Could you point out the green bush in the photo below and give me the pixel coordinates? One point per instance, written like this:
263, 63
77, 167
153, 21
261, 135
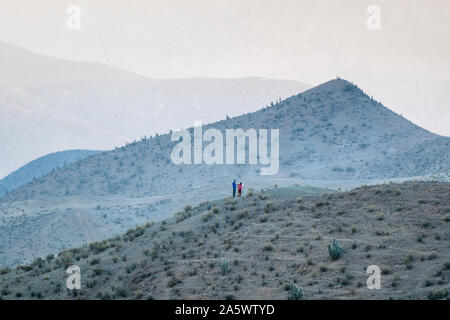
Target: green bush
296, 292
335, 250
224, 266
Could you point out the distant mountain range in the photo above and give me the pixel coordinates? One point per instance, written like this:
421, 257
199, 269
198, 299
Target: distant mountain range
332, 132
41, 166
48, 104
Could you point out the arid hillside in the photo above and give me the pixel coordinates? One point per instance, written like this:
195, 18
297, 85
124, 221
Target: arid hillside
263, 245
333, 132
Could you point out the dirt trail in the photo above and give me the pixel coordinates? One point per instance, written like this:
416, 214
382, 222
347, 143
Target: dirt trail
85, 225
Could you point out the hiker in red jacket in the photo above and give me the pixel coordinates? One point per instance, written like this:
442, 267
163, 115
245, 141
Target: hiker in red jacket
239, 189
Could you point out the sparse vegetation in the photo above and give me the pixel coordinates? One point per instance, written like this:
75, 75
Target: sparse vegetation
189, 256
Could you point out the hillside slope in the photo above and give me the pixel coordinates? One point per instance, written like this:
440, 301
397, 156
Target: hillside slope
333, 134
48, 104
41, 167
331, 131
255, 247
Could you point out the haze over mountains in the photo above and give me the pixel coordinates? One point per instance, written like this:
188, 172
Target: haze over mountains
333, 132
49, 105
405, 63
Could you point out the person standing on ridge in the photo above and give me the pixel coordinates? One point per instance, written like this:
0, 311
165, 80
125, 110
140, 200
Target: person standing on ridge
239, 189
234, 188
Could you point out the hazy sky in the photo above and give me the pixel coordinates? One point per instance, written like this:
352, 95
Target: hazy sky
405, 64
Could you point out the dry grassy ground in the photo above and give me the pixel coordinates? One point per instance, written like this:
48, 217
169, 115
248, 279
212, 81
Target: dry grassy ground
255, 247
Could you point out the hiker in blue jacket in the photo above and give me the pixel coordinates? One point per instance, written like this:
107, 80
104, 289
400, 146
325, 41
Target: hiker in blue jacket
234, 188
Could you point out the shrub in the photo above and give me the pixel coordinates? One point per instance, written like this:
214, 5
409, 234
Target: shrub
438, 294
319, 204
173, 282
97, 271
335, 250
269, 207
25, 268
182, 215
242, 214
138, 294
121, 292
207, 216
131, 267
5, 270
224, 266
5, 292
296, 292
263, 196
